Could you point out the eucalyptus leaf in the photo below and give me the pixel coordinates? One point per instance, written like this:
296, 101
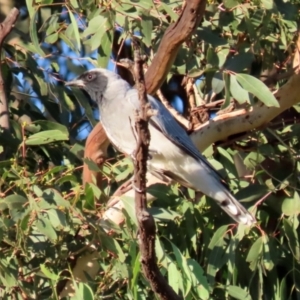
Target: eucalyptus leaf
257, 88
46, 137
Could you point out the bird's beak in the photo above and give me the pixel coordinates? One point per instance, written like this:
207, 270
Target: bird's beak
76, 82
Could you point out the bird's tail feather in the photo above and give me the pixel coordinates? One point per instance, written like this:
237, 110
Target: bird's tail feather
223, 197
236, 210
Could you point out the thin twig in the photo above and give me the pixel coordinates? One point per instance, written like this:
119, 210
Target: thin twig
146, 224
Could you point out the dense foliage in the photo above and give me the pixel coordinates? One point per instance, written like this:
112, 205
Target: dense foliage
48, 218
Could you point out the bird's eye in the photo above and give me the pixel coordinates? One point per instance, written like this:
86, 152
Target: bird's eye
90, 77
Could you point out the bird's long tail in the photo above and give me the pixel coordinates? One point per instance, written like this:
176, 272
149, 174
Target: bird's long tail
235, 209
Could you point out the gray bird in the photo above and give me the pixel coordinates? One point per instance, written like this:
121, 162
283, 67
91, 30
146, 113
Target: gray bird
172, 152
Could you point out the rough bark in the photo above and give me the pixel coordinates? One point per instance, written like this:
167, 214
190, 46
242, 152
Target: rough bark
146, 223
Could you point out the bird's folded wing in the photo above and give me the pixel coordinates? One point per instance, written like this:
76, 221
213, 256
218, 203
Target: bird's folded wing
166, 123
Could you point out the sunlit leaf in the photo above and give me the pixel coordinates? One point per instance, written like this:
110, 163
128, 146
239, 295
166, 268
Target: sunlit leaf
257, 88
33, 34
75, 29
237, 92
46, 137
291, 206
293, 238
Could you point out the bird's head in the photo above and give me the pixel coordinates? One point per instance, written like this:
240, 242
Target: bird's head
94, 82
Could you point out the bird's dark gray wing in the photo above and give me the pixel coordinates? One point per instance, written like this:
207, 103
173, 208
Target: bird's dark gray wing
165, 122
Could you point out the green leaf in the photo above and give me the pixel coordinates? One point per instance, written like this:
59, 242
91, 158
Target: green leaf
49, 274
291, 206
268, 4
251, 193
255, 253
91, 165
44, 225
13, 202
212, 58
160, 252
97, 24
31, 8
33, 34
237, 92
52, 196
168, 9
97, 29
199, 281
218, 237
238, 293
83, 291
293, 238
82, 100
217, 83
222, 56
52, 38
75, 29
146, 26
41, 125
136, 270
267, 260
257, 88
105, 49
163, 214
216, 254
74, 3
112, 245
283, 289
66, 39
89, 197
227, 91
46, 137
174, 277
57, 218
253, 159
129, 206
227, 161
240, 62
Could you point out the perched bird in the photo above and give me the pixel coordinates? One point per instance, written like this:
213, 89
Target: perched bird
171, 151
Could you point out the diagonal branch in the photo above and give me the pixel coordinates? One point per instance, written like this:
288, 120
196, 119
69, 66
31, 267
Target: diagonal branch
242, 120
175, 35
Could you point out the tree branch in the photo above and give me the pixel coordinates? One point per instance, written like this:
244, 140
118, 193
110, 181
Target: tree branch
146, 224
242, 120
171, 42
5, 29
96, 149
